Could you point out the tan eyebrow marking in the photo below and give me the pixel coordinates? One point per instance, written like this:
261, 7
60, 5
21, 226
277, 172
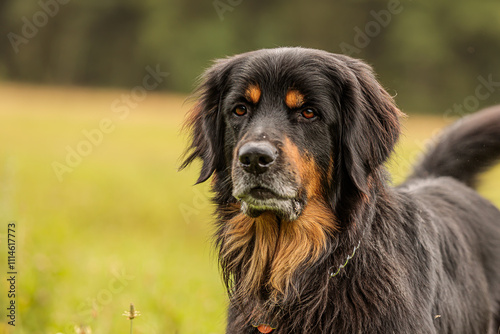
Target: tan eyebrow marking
252, 94
294, 99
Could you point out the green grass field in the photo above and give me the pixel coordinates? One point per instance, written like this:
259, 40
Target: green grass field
118, 224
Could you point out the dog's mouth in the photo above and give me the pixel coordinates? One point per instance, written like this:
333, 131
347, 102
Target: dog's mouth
261, 193
257, 200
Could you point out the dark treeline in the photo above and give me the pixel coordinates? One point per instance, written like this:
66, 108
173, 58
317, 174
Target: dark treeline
440, 56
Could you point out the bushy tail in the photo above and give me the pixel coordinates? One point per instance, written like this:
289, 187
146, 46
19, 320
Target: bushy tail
465, 149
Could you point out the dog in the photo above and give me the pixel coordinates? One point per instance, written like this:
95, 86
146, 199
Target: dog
311, 235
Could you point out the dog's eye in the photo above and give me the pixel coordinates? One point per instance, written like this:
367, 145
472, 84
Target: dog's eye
308, 114
240, 110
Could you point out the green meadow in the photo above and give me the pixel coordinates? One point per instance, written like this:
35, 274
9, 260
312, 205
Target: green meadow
104, 219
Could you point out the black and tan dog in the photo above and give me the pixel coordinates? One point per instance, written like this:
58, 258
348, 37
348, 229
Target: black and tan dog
311, 237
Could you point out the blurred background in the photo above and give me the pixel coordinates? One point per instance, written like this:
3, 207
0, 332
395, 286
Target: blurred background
92, 99
430, 53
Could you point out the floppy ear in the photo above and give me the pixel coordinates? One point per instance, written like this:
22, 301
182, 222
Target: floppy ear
369, 129
205, 122
370, 124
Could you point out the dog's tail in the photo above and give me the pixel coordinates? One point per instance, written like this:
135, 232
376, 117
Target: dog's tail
465, 149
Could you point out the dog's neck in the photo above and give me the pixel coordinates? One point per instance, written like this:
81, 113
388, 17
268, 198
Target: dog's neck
271, 267
267, 264
265, 252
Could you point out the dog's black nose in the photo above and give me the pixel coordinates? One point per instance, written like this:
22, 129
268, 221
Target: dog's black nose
257, 157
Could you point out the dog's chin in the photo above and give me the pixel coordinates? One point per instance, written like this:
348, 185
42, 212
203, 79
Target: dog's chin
282, 201
285, 209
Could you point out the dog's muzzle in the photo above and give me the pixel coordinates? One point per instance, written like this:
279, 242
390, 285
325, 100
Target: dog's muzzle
263, 181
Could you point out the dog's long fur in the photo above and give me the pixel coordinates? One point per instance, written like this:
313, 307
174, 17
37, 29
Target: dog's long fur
428, 259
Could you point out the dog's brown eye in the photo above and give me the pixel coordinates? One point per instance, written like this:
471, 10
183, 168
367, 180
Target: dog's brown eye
308, 114
240, 110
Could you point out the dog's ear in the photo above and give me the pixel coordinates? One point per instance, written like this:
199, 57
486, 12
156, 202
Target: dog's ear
369, 129
205, 122
370, 124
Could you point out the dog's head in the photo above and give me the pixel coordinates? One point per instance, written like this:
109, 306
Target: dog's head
281, 128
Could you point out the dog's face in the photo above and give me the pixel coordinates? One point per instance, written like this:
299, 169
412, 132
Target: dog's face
285, 127
277, 139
